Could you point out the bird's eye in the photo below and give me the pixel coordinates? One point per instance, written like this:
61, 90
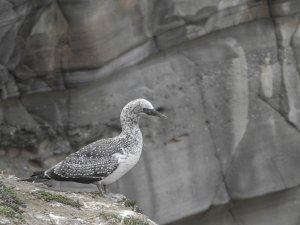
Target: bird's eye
148, 111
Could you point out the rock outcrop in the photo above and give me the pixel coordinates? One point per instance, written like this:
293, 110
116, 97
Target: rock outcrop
27, 203
226, 72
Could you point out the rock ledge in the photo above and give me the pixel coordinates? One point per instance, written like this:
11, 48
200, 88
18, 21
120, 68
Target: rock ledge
32, 203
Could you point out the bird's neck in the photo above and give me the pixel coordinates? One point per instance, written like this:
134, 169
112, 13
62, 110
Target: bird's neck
132, 133
129, 122
130, 127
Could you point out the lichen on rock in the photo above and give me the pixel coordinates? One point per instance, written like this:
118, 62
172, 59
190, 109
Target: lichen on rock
48, 196
34, 203
10, 205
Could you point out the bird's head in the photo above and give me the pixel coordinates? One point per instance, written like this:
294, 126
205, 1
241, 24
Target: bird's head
132, 111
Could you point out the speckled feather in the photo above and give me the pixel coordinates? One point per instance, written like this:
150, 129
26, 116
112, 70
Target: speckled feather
93, 162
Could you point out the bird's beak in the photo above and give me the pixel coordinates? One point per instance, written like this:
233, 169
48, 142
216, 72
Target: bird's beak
153, 112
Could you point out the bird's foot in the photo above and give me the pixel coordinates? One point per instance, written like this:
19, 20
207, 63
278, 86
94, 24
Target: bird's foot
105, 194
113, 197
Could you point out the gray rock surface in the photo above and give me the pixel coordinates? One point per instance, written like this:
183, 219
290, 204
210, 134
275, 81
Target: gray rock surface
24, 203
226, 72
276, 208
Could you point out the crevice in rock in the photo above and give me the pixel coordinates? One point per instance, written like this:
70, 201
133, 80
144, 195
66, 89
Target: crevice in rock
62, 11
5, 34
280, 175
222, 176
20, 100
292, 45
64, 42
280, 57
23, 32
279, 113
279, 46
68, 123
234, 218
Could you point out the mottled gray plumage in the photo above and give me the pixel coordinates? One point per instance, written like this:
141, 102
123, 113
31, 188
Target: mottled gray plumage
105, 160
97, 160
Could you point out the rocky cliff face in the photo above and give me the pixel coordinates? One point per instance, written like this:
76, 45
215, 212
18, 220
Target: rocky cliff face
226, 72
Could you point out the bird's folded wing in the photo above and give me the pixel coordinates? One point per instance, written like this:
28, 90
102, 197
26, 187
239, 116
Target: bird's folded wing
78, 167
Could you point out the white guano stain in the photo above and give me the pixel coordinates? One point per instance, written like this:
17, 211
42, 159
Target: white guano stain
239, 93
125, 213
266, 78
57, 219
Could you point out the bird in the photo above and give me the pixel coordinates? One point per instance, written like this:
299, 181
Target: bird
104, 161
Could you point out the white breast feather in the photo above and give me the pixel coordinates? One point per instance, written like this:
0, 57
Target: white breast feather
126, 162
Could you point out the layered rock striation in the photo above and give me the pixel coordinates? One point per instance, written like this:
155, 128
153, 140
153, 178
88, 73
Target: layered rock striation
225, 72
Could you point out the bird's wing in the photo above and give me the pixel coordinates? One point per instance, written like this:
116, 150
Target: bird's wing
91, 163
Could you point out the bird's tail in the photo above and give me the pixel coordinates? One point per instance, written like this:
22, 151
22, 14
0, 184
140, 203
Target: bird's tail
37, 176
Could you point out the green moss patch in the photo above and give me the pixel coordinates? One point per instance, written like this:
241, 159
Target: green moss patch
132, 205
7, 211
129, 203
48, 196
134, 221
10, 205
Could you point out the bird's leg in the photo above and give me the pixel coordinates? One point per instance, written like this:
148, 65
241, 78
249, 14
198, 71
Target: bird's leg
102, 191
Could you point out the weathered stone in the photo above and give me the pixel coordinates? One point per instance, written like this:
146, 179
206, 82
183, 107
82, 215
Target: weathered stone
16, 115
2, 153
273, 209
12, 152
95, 40
27, 203
48, 109
7, 86
226, 72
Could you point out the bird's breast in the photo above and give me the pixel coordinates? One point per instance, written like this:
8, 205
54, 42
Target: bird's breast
125, 162
127, 158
